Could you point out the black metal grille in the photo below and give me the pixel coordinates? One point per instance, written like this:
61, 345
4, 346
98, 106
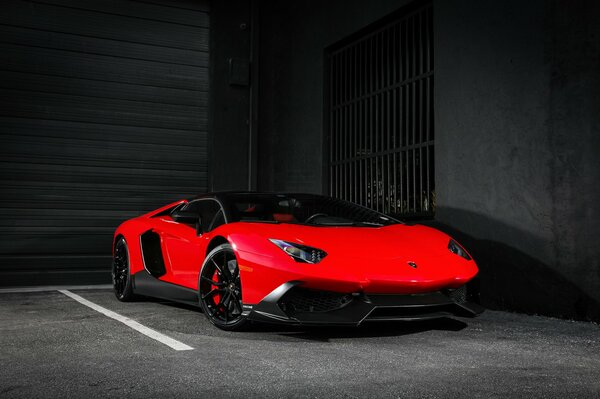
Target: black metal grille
458, 295
305, 300
380, 117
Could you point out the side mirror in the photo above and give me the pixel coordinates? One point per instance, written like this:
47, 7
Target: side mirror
187, 217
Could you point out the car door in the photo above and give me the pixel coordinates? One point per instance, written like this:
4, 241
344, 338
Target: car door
185, 244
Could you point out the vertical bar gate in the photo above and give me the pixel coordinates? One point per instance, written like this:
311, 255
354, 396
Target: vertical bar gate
380, 117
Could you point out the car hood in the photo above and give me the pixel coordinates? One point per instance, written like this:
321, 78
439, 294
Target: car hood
388, 242
377, 257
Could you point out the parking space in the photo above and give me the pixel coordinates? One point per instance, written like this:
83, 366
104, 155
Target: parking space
51, 346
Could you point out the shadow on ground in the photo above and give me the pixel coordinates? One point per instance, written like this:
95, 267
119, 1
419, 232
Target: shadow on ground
370, 330
323, 334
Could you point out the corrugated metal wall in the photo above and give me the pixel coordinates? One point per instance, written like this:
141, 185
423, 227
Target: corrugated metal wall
103, 116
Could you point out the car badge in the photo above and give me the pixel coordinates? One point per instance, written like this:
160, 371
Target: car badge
412, 264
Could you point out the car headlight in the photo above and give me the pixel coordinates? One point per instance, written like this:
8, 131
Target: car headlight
455, 248
300, 253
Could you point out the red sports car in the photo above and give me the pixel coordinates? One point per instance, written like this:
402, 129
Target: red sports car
291, 258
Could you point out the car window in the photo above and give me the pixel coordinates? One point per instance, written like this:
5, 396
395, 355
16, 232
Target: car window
218, 220
211, 214
301, 209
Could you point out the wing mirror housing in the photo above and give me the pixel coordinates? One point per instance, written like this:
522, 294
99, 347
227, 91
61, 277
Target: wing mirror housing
187, 217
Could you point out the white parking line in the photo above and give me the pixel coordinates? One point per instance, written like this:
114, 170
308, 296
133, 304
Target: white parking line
19, 290
173, 343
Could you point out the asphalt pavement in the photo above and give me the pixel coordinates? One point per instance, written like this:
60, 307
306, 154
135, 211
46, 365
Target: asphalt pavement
53, 346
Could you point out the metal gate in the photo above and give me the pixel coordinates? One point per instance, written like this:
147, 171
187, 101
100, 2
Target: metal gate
380, 116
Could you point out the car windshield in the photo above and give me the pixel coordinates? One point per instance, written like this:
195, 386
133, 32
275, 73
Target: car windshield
301, 209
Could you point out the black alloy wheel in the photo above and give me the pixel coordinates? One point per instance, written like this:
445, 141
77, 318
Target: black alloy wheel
120, 272
220, 289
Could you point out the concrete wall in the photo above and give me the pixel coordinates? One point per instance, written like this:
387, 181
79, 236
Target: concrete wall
229, 121
517, 134
516, 106
293, 38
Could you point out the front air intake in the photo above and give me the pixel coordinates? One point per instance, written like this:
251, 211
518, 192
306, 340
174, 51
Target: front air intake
458, 295
302, 300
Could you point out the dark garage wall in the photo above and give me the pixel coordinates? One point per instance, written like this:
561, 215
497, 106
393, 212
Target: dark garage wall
293, 38
230, 123
103, 116
518, 139
517, 134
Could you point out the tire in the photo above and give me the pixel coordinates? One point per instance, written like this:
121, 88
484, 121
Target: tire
220, 289
121, 277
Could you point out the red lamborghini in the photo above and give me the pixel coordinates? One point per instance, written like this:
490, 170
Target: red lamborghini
291, 258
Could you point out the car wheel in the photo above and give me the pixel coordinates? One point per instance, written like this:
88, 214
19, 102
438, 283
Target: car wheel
220, 289
121, 277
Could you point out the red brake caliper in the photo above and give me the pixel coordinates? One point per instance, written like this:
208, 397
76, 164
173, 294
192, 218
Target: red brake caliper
216, 297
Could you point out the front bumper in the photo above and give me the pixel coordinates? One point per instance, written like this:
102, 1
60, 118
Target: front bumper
292, 304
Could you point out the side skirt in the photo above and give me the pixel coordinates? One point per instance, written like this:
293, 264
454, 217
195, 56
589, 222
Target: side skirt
147, 285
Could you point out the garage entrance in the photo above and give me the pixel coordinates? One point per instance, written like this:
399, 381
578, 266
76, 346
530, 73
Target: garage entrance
104, 108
